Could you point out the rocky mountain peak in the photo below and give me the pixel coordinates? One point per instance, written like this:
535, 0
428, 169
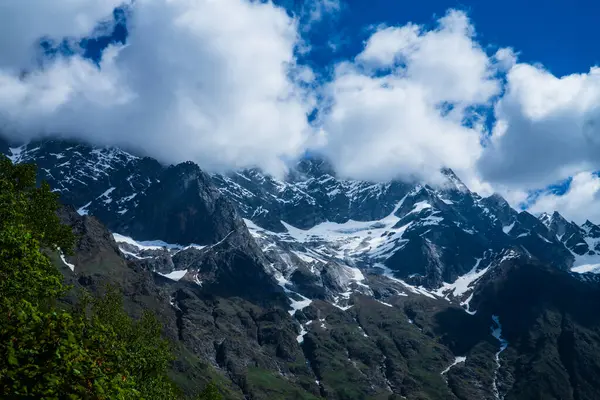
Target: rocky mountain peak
182, 206
557, 224
545, 218
313, 167
591, 229
498, 200
454, 180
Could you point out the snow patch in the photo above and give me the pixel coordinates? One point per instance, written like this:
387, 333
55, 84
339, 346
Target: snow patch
106, 195
175, 275
294, 304
173, 303
508, 228
153, 244
587, 263
544, 239
457, 360
420, 206
509, 256
388, 273
300, 337
83, 210
466, 305
385, 304
587, 268
64, 260
16, 153
375, 239
463, 284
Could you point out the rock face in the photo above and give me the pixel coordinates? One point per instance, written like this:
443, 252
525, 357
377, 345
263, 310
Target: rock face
182, 207
320, 287
549, 321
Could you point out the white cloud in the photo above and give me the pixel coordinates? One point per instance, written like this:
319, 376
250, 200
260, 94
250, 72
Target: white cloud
215, 82
388, 114
579, 203
506, 58
23, 23
547, 128
64, 86
385, 46
317, 10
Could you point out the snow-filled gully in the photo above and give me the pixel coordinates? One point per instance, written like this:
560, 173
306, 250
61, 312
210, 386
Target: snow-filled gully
497, 333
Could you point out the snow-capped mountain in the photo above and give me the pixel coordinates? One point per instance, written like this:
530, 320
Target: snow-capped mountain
100, 181
404, 288
424, 235
582, 241
312, 220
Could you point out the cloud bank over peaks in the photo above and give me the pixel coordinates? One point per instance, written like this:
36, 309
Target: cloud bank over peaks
579, 203
399, 108
216, 82
220, 83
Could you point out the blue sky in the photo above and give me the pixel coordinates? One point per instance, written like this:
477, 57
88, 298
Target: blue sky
559, 34
514, 108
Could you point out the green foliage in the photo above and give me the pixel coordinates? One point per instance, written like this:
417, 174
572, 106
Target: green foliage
28, 221
210, 392
26, 273
30, 208
94, 352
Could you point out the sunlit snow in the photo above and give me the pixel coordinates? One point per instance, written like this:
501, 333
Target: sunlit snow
353, 238
152, 244
294, 304
457, 360
175, 275
464, 283
64, 260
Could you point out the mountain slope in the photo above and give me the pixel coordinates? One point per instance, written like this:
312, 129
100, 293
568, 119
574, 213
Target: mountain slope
319, 286
550, 324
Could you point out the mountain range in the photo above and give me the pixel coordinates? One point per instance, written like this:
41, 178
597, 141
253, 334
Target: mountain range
313, 286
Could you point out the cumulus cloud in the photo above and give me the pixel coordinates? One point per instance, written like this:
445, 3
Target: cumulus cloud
399, 109
547, 128
219, 83
24, 23
211, 81
580, 202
